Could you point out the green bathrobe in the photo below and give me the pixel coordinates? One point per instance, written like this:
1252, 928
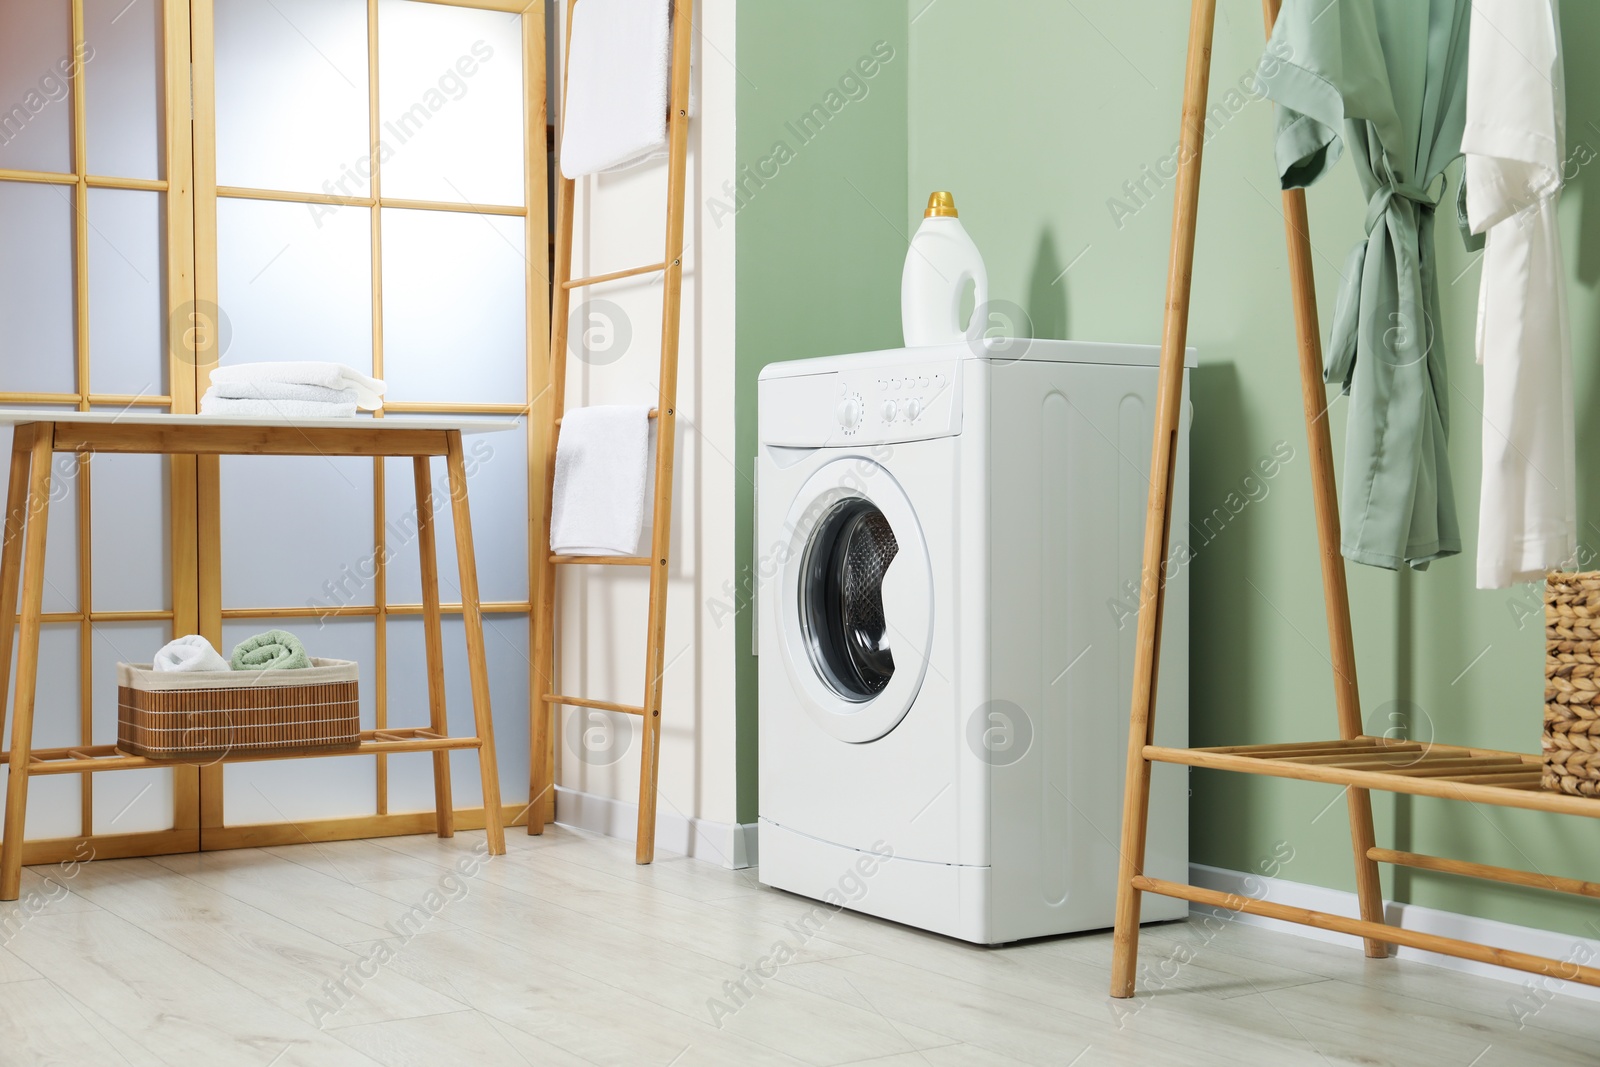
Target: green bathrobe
1390, 74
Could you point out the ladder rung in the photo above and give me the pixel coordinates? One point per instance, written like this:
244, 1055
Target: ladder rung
613, 276
652, 413
605, 561
603, 705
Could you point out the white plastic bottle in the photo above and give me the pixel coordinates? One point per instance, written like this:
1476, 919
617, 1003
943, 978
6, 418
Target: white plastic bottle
941, 261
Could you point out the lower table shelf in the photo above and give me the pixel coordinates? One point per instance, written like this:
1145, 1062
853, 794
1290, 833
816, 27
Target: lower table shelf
1483, 776
83, 759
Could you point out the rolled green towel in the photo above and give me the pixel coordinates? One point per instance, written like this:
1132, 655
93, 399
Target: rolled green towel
275, 650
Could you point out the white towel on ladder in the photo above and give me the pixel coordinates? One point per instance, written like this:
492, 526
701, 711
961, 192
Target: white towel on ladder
602, 474
618, 65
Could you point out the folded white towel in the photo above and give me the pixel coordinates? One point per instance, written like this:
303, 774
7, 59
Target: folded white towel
369, 391
211, 404
617, 72
192, 653
602, 467
281, 391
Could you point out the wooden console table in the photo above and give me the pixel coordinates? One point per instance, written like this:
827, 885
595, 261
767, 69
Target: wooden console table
39, 434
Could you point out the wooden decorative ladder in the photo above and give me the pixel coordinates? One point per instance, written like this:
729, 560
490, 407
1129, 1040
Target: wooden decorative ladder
1358, 762
546, 619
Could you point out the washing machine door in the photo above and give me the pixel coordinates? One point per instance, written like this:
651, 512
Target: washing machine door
856, 600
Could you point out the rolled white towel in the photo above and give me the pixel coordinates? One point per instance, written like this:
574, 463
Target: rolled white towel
316, 394
369, 391
192, 653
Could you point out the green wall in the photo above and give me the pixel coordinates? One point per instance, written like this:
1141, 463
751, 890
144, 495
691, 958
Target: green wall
1036, 115
820, 242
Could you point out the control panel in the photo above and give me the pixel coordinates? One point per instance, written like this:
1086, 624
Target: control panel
903, 396
899, 401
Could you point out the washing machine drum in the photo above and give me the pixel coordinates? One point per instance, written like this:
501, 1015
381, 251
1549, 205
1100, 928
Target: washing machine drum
858, 604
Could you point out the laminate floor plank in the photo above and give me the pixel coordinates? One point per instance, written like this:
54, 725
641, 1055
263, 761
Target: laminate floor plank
422, 951
297, 972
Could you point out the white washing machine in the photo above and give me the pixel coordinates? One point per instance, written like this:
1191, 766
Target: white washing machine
948, 549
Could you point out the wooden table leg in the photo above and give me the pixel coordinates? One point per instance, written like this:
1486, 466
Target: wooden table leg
434, 637
11, 554
478, 664
38, 514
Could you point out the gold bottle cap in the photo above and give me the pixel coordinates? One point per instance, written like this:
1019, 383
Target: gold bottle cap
940, 204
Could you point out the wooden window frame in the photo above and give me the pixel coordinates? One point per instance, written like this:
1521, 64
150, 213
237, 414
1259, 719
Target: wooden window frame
191, 282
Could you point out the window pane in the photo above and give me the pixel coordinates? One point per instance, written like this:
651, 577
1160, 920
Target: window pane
291, 94
61, 541
127, 313
450, 98
296, 532
292, 790
506, 641
497, 486
295, 282
123, 91
129, 533
35, 99
455, 295
54, 809
36, 344
128, 801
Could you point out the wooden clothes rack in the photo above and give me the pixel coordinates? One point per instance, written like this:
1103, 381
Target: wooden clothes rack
1354, 760
546, 619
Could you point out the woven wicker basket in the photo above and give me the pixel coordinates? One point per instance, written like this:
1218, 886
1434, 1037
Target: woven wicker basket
1572, 683
212, 714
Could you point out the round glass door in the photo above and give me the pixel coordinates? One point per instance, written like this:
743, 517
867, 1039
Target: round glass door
854, 603
841, 599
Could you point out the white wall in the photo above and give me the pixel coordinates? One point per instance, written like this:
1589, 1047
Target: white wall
619, 223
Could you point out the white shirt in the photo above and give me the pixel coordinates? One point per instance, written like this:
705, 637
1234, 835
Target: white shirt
1515, 144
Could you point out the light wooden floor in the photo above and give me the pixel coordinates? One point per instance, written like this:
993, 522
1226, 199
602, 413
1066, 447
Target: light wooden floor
564, 952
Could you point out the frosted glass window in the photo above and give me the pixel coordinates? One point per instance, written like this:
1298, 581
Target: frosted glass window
127, 316
129, 531
497, 487
506, 640
53, 811
292, 790
296, 532
123, 90
36, 344
35, 99
291, 94
128, 801
450, 103
61, 542
455, 302
295, 282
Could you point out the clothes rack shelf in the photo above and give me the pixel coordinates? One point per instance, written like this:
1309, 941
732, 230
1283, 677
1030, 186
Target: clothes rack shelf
1359, 762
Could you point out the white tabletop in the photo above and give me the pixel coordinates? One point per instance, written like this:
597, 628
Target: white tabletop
463, 423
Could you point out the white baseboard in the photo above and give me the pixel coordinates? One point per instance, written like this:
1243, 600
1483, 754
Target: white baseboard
732, 845
1566, 947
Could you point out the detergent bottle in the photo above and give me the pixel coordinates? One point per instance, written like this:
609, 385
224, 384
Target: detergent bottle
941, 262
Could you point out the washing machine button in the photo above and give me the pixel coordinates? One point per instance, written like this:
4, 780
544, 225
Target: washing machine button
849, 413
913, 409
890, 409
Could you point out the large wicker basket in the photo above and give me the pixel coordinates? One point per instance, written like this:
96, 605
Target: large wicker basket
212, 714
1572, 683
